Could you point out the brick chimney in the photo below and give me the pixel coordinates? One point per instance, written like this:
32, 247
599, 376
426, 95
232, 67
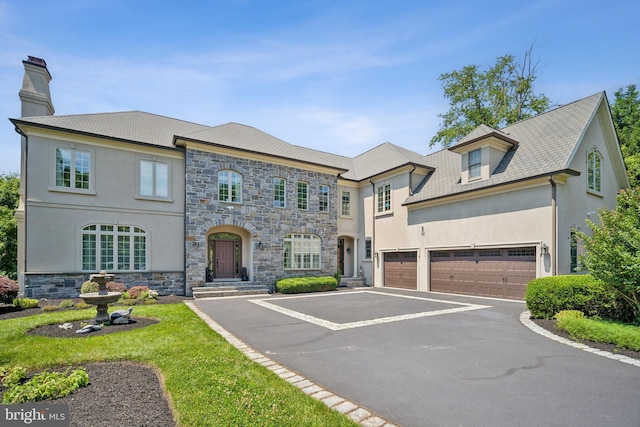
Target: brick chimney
34, 95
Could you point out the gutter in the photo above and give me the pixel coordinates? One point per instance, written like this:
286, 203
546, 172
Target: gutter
554, 225
23, 184
373, 233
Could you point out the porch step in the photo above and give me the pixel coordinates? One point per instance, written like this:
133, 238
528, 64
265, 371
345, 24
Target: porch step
352, 282
226, 289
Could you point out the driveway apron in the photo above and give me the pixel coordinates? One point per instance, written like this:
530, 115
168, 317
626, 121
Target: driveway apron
423, 359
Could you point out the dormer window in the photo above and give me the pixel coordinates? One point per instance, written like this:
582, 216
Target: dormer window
475, 164
481, 152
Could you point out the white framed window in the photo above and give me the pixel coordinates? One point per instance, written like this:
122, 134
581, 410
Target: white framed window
302, 252
73, 170
154, 179
345, 203
475, 164
229, 186
367, 248
303, 195
384, 198
594, 171
279, 192
114, 248
323, 198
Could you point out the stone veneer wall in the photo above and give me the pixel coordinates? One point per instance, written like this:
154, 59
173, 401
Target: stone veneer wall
60, 285
256, 214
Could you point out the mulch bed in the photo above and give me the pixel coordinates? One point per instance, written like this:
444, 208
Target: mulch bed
119, 393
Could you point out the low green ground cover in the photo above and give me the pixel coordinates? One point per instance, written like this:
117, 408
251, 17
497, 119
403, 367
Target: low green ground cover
582, 328
209, 381
297, 285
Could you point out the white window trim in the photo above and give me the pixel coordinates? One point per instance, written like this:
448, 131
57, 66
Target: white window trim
306, 199
342, 214
296, 242
377, 195
284, 195
230, 172
596, 154
98, 255
169, 164
479, 176
328, 195
92, 171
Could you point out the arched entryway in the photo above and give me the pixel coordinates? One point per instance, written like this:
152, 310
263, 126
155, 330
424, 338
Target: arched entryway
224, 256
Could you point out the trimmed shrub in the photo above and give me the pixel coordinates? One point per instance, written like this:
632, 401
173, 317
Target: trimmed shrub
547, 296
136, 292
296, 285
25, 303
583, 329
90, 286
8, 290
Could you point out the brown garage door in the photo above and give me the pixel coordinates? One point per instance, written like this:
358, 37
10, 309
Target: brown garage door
401, 270
502, 273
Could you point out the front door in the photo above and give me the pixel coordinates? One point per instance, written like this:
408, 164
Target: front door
224, 259
224, 262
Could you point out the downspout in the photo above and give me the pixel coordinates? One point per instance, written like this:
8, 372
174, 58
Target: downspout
554, 226
411, 180
23, 184
373, 233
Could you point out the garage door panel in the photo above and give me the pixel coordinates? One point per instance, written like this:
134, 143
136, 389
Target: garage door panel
502, 273
401, 270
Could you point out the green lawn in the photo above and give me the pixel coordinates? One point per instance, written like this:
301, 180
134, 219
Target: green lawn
209, 381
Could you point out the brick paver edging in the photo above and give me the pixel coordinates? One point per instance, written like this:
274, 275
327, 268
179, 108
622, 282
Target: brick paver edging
333, 401
525, 318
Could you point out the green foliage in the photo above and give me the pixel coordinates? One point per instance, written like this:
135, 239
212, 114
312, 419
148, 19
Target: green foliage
136, 292
66, 303
296, 285
613, 250
47, 385
9, 198
245, 393
12, 377
625, 111
547, 296
25, 303
8, 290
500, 96
584, 329
569, 314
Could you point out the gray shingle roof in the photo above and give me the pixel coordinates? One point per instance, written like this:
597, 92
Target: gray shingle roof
380, 159
134, 126
248, 138
546, 144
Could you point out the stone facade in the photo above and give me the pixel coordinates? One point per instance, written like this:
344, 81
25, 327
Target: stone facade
60, 285
256, 215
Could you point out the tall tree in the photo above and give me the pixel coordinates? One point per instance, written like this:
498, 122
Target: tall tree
625, 111
9, 197
497, 97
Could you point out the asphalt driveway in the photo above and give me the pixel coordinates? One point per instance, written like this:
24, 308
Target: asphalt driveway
422, 359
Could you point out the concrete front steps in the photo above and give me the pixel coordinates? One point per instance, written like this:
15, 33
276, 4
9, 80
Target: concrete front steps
351, 282
229, 288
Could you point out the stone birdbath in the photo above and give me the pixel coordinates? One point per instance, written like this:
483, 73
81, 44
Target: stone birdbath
102, 298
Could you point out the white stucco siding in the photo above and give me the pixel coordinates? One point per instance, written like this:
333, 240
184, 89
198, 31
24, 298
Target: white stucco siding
55, 216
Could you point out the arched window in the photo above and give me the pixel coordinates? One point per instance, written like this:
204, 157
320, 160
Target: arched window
302, 252
229, 186
594, 161
114, 248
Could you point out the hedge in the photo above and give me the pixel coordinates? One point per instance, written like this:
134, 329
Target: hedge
297, 285
547, 296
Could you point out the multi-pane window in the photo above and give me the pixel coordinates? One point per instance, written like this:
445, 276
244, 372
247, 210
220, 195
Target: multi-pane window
154, 179
114, 248
303, 195
367, 248
573, 244
593, 170
229, 186
302, 251
475, 163
384, 198
73, 169
279, 192
346, 203
323, 198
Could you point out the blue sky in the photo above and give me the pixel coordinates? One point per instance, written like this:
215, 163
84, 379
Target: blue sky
338, 76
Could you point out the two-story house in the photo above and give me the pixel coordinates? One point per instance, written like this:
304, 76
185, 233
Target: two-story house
176, 205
